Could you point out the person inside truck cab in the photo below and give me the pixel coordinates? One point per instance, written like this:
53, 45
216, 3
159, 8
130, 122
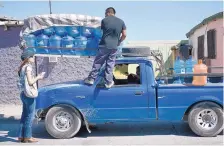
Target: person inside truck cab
134, 78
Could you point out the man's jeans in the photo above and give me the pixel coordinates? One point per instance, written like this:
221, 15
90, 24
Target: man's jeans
107, 56
25, 128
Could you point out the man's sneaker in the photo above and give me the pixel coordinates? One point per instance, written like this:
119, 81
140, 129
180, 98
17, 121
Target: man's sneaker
109, 85
89, 81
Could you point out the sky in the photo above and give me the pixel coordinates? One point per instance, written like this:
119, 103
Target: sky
145, 20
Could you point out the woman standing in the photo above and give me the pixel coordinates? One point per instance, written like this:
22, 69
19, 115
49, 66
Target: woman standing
29, 103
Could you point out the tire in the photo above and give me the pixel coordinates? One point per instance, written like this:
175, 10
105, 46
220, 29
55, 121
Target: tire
136, 52
202, 112
63, 122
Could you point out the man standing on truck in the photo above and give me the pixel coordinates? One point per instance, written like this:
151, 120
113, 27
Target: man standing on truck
114, 32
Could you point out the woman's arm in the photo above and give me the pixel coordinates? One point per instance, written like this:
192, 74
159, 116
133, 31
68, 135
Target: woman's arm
32, 80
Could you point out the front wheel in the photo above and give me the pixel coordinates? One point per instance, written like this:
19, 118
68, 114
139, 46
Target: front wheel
206, 119
63, 122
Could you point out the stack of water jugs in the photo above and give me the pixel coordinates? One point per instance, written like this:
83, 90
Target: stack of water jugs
182, 67
65, 40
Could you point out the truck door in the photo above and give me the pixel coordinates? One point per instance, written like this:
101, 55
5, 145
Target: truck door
125, 100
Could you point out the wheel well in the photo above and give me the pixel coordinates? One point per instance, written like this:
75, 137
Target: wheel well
185, 117
44, 113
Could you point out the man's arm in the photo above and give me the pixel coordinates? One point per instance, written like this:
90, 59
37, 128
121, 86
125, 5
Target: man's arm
123, 34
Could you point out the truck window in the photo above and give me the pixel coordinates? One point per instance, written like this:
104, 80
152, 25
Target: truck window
126, 74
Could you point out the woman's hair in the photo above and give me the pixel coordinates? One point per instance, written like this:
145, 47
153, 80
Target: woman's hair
22, 64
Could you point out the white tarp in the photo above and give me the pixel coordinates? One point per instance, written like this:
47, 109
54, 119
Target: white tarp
39, 22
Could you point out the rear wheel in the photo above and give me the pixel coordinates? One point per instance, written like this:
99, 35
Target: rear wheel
206, 119
63, 122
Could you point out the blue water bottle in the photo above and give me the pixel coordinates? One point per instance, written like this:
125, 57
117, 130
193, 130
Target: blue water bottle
42, 44
189, 64
179, 68
30, 40
67, 42
73, 31
91, 47
55, 44
48, 31
97, 33
60, 31
87, 31
80, 43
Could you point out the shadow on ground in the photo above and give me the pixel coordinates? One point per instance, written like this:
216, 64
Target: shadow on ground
107, 130
9, 128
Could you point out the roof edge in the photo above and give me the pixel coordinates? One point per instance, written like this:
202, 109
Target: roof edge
205, 21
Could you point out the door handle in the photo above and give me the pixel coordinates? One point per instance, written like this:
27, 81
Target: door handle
139, 92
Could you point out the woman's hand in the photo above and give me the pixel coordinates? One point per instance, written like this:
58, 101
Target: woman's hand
41, 76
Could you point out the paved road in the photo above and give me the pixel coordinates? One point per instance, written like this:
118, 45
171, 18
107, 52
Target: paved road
153, 133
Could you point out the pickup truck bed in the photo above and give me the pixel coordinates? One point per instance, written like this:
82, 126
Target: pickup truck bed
179, 98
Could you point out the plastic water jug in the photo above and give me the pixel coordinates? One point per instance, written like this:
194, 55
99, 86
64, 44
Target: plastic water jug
91, 47
87, 32
179, 66
198, 69
68, 42
30, 40
189, 64
48, 31
97, 33
73, 31
80, 43
55, 44
37, 32
60, 31
42, 40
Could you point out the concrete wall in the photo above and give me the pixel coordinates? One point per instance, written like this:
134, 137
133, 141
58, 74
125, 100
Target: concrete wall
10, 37
193, 40
66, 69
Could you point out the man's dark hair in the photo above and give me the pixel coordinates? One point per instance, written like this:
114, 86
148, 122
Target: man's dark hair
111, 10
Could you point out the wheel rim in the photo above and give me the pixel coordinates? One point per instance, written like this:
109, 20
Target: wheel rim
62, 121
207, 119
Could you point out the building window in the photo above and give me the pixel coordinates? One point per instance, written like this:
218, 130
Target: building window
211, 42
201, 47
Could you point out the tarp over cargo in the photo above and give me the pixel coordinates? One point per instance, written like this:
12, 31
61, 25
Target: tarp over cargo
39, 22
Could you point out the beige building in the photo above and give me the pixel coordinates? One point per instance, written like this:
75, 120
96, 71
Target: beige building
207, 41
163, 45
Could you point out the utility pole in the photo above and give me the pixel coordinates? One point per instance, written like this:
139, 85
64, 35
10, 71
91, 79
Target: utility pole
50, 6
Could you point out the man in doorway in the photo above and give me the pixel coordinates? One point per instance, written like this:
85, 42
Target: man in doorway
114, 32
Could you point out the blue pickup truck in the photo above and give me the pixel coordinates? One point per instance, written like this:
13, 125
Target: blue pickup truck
66, 107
